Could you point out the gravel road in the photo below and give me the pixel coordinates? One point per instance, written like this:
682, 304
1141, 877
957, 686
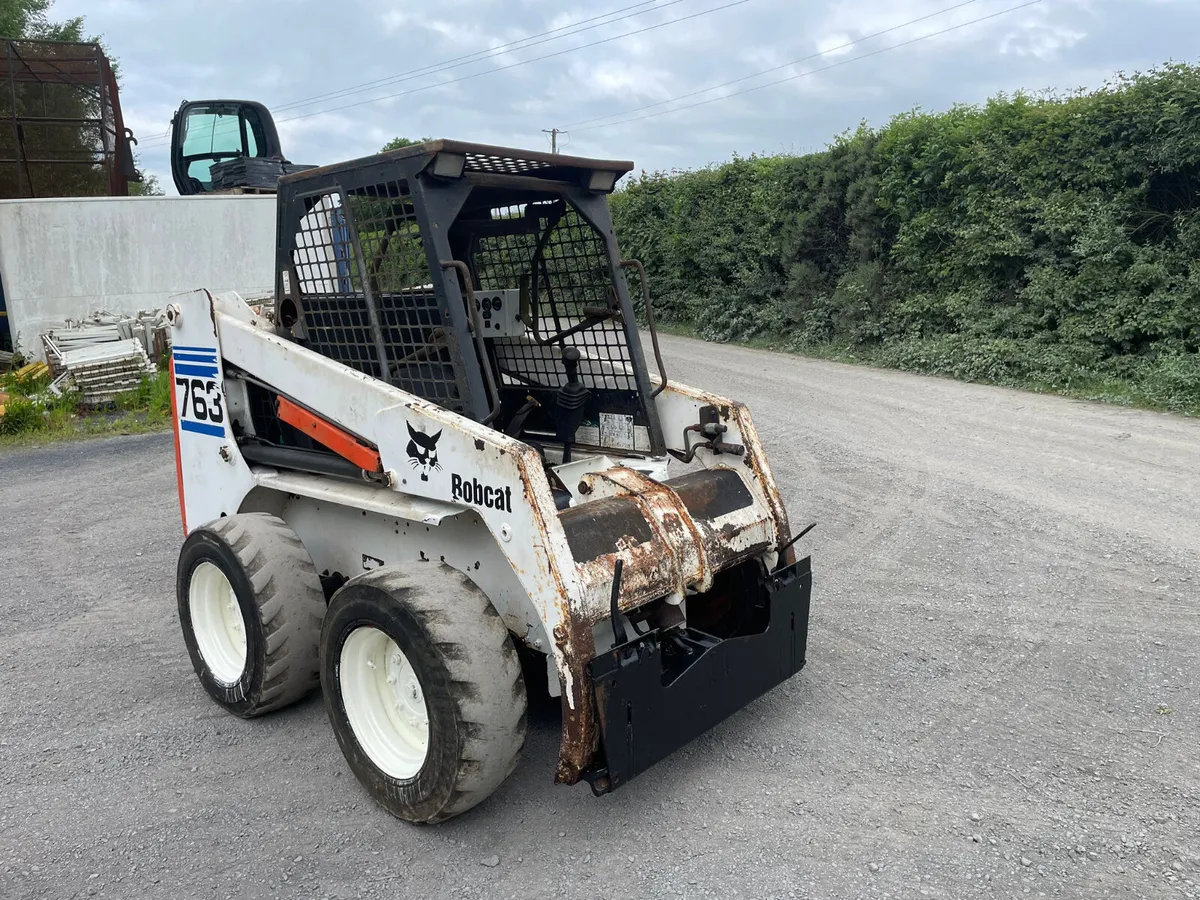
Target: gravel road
1001, 697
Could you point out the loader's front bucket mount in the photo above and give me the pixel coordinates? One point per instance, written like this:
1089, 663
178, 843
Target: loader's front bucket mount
660, 690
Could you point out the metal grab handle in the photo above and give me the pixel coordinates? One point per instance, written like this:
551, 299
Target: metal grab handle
662, 370
785, 547
477, 326
614, 604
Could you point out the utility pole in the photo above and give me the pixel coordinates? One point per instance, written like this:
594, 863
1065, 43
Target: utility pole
554, 133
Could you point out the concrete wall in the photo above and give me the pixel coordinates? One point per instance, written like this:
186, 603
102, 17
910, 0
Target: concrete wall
67, 257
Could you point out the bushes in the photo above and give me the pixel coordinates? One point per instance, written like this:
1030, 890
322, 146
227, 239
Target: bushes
20, 415
1172, 381
30, 407
1033, 240
32, 411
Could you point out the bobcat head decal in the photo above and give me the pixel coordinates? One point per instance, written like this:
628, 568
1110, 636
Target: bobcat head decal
422, 451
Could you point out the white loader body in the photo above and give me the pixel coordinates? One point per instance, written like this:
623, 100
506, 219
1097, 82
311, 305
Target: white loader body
539, 473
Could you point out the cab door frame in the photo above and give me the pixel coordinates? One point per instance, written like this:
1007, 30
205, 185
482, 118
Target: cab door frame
248, 113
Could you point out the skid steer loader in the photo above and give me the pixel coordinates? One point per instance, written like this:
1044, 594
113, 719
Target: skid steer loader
443, 456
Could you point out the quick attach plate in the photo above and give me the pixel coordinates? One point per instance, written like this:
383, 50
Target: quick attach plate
657, 692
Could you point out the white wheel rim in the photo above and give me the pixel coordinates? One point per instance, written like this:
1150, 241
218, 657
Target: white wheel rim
384, 702
217, 623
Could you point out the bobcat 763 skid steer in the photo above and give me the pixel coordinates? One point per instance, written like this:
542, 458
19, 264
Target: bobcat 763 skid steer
445, 448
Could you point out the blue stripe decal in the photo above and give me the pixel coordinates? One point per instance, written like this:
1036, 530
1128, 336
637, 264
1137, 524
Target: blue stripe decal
196, 371
196, 357
212, 350
202, 428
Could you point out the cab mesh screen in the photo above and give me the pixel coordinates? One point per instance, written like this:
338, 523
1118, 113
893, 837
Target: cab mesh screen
400, 339
561, 261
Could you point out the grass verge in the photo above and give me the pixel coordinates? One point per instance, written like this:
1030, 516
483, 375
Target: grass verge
1168, 383
34, 416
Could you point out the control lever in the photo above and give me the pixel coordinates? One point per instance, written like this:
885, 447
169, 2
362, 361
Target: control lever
572, 399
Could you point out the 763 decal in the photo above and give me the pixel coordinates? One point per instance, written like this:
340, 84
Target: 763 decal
199, 399
202, 400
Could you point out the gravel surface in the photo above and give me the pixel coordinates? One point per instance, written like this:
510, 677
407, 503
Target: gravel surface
1001, 697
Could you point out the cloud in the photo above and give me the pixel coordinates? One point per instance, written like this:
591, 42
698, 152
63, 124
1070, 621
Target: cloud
1044, 42
834, 44
172, 49
393, 20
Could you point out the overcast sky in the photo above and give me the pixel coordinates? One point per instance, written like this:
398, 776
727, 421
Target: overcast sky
282, 52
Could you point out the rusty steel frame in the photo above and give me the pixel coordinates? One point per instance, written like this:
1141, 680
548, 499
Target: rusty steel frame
33, 63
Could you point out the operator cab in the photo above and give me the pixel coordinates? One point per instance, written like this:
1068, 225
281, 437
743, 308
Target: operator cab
483, 279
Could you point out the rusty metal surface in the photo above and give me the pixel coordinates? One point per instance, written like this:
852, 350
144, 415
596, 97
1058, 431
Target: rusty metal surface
571, 635
61, 128
596, 528
685, 547
711, 492
679, 407
756, 459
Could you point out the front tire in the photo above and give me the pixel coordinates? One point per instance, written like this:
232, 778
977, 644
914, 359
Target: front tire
424, 690
250, 605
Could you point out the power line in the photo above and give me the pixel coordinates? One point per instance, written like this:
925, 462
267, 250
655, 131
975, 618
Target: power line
554, 133
523, 62
461, 60
458, 62
787, 65
811, 71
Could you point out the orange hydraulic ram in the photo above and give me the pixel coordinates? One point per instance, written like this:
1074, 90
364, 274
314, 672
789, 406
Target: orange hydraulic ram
340, 442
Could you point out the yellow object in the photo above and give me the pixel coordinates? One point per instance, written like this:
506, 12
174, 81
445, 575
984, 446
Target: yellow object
32, 370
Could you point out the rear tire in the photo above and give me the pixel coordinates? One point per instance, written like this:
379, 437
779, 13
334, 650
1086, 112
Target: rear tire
250, 605
423, 688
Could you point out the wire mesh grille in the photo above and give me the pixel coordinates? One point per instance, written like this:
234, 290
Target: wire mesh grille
268, 427
336, 317
337, 307
508, 165
564, 263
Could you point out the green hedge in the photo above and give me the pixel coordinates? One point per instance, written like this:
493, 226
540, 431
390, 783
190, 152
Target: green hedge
1049, 241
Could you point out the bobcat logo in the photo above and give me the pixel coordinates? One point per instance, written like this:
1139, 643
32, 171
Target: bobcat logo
422, 451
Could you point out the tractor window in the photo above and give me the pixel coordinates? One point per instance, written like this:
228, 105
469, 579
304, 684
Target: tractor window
337, 317
208, 132
547, 257
213, 134
200, 169
376, 260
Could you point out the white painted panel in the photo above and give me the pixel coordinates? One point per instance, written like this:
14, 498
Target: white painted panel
64, 258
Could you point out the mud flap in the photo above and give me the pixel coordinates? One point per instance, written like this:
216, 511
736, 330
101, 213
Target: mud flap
658, 691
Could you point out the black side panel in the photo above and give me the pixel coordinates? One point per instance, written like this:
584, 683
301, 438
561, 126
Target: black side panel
5, 333
267, 426
659, 691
